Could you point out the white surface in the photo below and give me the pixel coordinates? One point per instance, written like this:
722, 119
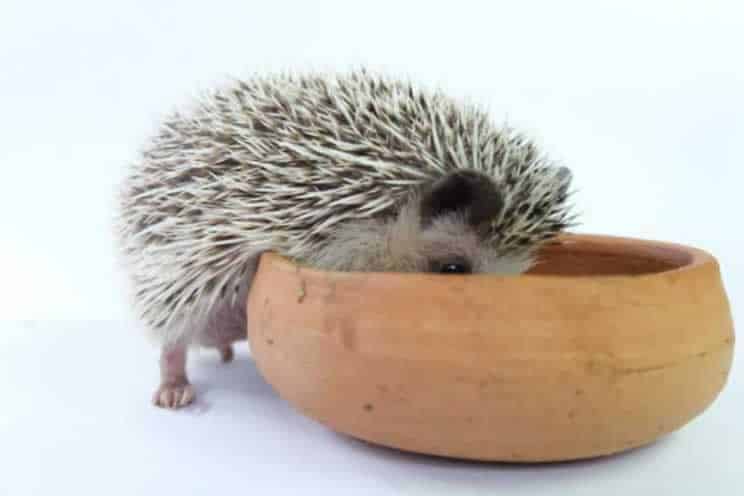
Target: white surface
77, 421
643, 100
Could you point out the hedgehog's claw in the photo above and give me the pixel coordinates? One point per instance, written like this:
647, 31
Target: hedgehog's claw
174, 395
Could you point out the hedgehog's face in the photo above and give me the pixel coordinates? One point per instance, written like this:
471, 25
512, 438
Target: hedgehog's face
445, 227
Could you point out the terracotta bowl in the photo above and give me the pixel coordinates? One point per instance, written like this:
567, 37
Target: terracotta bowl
606, 345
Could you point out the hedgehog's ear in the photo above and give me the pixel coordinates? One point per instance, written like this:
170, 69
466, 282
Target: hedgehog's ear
473, 193
563, 177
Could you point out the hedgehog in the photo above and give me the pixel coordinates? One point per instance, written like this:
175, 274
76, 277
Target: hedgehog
350, 171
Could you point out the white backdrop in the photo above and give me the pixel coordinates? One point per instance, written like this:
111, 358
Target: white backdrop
643, 100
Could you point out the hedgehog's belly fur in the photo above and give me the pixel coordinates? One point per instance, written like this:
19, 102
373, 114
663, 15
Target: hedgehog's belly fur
226, 321
225, 324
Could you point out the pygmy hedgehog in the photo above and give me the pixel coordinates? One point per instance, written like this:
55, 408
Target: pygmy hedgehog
348, 172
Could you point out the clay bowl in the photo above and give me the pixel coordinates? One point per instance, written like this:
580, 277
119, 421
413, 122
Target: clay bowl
608, 344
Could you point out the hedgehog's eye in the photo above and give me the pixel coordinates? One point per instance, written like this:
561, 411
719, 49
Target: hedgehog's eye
451, 267
454, 268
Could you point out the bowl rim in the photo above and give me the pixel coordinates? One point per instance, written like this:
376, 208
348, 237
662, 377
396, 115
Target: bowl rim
695, 259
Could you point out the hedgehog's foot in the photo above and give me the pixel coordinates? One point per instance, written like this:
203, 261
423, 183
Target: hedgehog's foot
226, 325
174, 390
174, 395
226, 352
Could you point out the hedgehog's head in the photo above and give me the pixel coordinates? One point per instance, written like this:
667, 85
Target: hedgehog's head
464, 222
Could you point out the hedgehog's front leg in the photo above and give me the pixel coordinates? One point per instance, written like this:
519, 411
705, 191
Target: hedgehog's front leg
175, 391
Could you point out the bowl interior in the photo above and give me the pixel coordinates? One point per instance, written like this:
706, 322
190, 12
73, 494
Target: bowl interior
595, 256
